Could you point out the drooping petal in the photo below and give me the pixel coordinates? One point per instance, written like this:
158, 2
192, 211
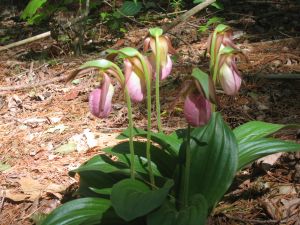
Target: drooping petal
229, 77
197, 110
100, 99
135, 84
166, 69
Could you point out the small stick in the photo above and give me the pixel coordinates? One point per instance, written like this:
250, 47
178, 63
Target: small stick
2, 200
280, 76
25, 41
187, 15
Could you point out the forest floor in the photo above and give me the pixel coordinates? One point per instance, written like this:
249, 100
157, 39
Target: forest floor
47, 130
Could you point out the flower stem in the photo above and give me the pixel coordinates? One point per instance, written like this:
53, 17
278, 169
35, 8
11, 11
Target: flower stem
157, 63
130, 121
130, 125
148, 86
187, 169
215, 73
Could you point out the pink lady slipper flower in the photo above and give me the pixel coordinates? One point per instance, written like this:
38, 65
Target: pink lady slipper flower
229, 76
197, 109
100, 98
198, 101
166, 50
135, 78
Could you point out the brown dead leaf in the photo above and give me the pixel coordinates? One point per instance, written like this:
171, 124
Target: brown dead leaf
31, 187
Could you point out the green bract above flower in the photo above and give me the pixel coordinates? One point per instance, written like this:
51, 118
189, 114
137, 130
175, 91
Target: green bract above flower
100, 98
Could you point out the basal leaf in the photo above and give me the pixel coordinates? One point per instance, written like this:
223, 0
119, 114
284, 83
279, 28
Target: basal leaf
255, 130
132, 198
214, 164
194, 214
164, 162
171, 143
79, 211
252, 150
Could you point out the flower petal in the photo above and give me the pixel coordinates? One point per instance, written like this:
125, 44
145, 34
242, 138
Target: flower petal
166, 69
197, 110
135, 84
229, 77
100, 99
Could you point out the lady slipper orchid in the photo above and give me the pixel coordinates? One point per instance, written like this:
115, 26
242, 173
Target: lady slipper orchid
198, 102
229, 76
197, 110
135, 78
166, 50
100, 98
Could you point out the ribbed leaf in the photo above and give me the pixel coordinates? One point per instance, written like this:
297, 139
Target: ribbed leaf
214, 164
194, 214
80, 211
250, 151
164, 162
171, 143
254, 130
132, 198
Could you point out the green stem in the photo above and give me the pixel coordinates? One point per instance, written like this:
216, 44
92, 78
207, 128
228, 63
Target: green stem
215, 73
187, 169
130, 121
157, 63
148, 87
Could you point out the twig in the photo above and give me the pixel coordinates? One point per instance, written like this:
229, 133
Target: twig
25, 41
187, 15
2, 200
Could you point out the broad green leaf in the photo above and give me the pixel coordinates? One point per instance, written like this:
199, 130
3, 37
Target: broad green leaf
194, 214
98, 180
102, 191
164, 162
252, 150
101, 163
79, 211
254, 130
132, 198
130, 8
214, 164
169, 142
165, 215
31, 8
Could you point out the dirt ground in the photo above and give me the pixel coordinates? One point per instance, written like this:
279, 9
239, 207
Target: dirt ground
47, 130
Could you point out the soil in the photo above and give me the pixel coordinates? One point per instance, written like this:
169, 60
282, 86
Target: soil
47, 130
